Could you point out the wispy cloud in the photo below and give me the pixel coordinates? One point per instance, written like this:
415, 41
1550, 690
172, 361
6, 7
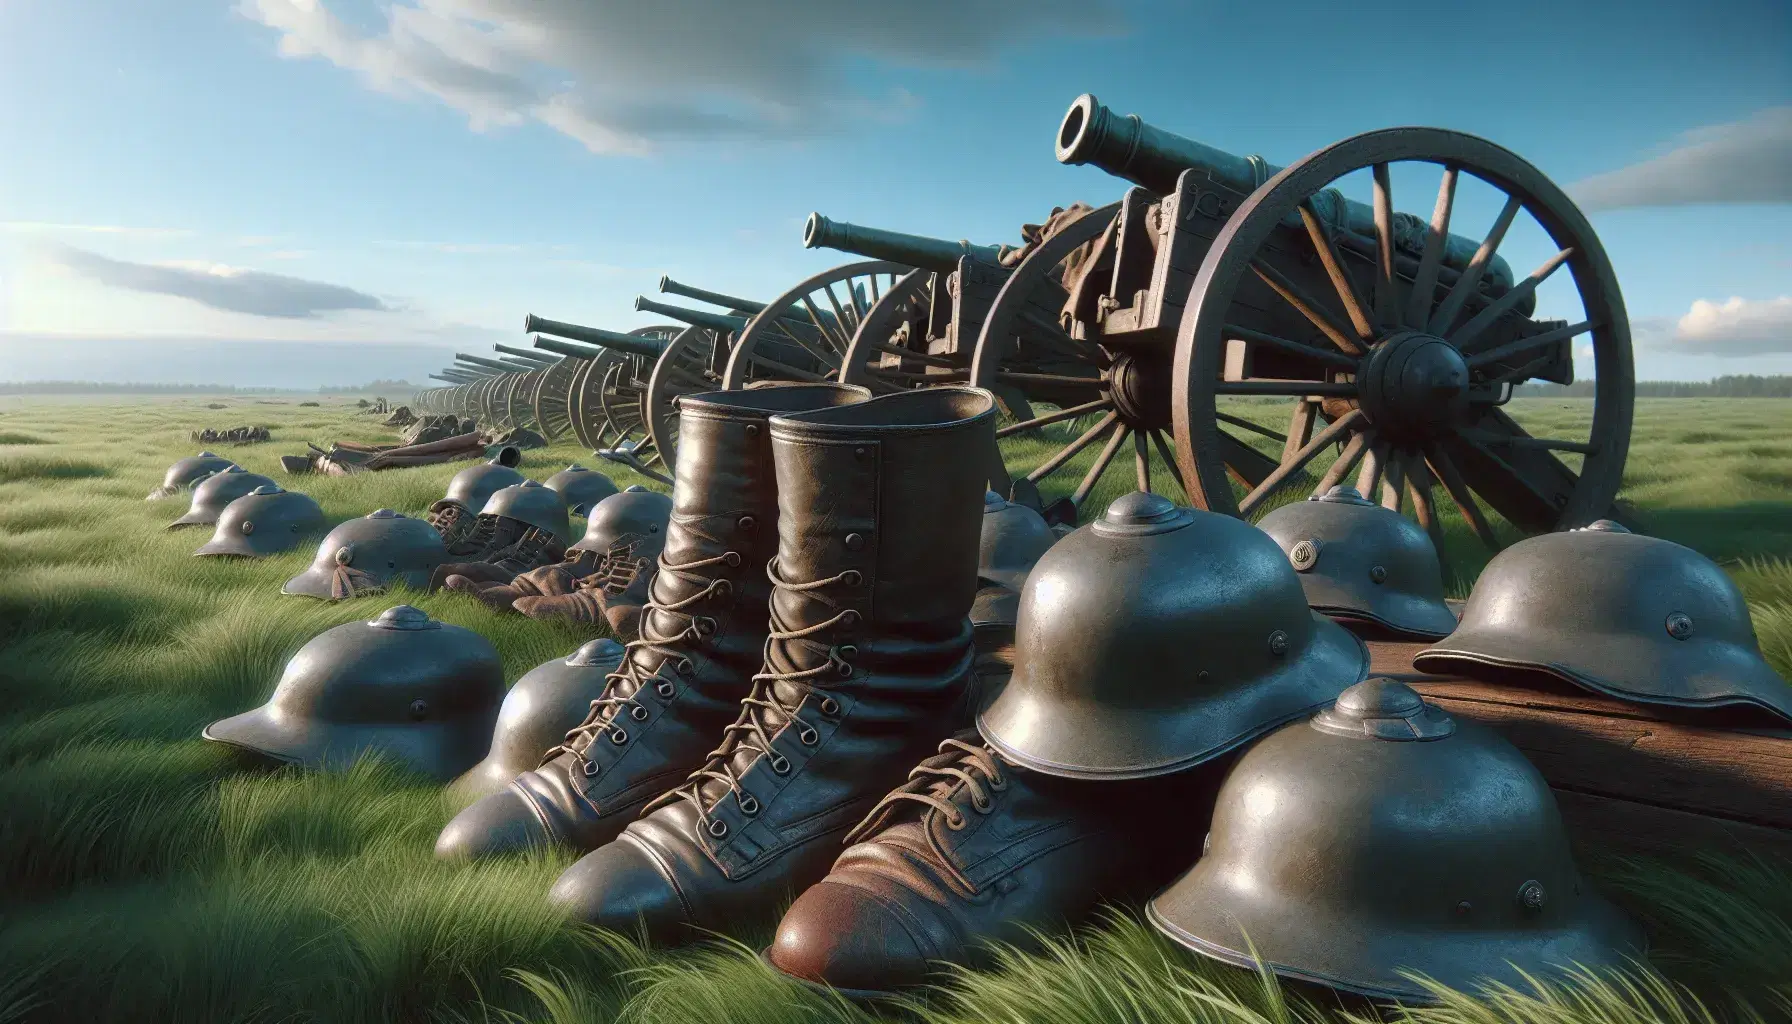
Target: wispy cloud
1746, 162
1735, 327
34, 227
231, 289
623, 76
461, 248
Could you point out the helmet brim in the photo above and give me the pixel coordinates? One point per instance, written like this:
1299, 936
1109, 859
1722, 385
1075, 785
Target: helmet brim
1672, 672
439, 750
1013, 579
1082, 740
163, 492
1410, 614
194, 519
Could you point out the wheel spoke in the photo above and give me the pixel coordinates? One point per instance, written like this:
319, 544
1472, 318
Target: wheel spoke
1510, 441
1297, 347
1418, 488
1524, 345
1368, 479
1465, 337
1347, 460
794, 373
1446, 314
1049, 334
1520, 373
1141, 460
1051, 465
1244, 463
1463, 498
1240, 421
1091, 478
822, 324
1334, 268
848, 324
1387, 303
908, 353
1055, 417
1289, 467
1424, 285
1300, 426
1008, 377
809, 345
1393, 482
1169, 457
1305, 306
1286, 388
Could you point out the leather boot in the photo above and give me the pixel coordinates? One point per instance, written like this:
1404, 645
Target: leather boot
533, 549
702, 637
867, 667
973, 850
613, 594
548, 581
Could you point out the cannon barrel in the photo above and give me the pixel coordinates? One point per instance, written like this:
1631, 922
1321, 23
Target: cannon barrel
465, 373
530, 356
570, 349
632, 344
443, 376
482, 361
647, 348
1127, 147
696, 317
522, 364
935, 254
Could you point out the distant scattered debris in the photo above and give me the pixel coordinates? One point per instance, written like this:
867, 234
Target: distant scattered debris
311, 404
234, 435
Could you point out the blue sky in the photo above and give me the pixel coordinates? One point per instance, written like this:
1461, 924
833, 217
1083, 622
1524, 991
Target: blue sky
415, 176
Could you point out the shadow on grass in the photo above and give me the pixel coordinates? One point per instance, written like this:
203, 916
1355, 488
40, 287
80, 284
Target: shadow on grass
32, 467
1753, 529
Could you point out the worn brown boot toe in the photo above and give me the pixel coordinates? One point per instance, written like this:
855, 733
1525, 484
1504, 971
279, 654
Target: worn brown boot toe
619, 886
504, 822
845, 937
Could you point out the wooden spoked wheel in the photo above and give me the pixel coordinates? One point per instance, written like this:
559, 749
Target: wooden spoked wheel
583, 410
807, 333
550, 397
686, 367
889, 350
519, 399
1406, 378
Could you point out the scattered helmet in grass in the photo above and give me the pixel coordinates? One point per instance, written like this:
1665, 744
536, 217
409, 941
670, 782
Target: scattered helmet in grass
367, 555
266, 521
185, 473
216, 491
581, 488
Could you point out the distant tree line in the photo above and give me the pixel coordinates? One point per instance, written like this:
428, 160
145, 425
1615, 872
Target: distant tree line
1746, 385
378, 387
92, 387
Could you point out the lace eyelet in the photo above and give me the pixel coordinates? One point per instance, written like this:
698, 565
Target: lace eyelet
748, 805
852, 577
982, 806
721, 588
718, 827
846, 652
638, 713
664, 688
998, 783
619, 736
733, 559
781, 764
809, 736
686, 666
590, 769
830, 706
843, 670
705, 625
956, 822
849, 618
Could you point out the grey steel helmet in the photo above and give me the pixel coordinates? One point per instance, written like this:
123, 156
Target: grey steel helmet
186, 472
420, 691
582, 488
216, 491
531, 502
472, 487
1383, 836
541, 708
1158, 637
367, 555
636, 512
1014, 536
266, 521
1637, 618
1359, 561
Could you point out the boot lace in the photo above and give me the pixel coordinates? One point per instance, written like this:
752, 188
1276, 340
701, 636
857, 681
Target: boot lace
962, 768
751, 731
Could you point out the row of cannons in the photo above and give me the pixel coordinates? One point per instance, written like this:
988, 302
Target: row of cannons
1233, 318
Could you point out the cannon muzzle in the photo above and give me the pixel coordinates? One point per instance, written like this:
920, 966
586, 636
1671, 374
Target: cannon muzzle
733, 302
632, 344
935, 254
530, 356
696, 317
491, 364
1127, 147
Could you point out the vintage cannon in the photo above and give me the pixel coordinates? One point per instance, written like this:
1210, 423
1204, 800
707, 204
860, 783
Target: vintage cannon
607, 399
1223, 284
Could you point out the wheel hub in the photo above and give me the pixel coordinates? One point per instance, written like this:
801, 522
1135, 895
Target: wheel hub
1414, 385
1141, 391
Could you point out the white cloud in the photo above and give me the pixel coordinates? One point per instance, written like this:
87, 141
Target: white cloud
623, 76
34, 227
1737, 327
1746, 162
218, 286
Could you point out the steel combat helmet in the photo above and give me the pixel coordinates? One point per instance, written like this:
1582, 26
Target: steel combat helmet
1014, 536
420, 691
636, 512
1359, 561
472, 487
266, 521
367, 555
216, 491
1159, 637
581, 488
541, 708
1383, 836
185, 473
1637, 618
532, 503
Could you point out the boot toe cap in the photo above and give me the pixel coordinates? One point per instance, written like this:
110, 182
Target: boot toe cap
619, 886
845, 937
461, 583
542, 607
503, 822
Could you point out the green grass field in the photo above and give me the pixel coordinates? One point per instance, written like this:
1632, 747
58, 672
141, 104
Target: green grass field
146, 875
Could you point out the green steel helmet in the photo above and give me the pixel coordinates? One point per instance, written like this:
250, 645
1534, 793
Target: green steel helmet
1014, 536
1360, 562
1159, 637
266, 521
216, 491
472, 487
404, 685
582, 488
365, 556
636, 512
185, 473
542, 707
1633, 617
531, 502
1382, 836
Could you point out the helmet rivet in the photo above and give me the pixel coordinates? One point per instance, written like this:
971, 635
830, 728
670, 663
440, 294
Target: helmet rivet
855, 541
248, 527
344, 555
858, 453
752, 430
1531, 895
1464, 908
1278, 643
419, 709
747, 522
1679, 625
1304, 555
1378, 573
